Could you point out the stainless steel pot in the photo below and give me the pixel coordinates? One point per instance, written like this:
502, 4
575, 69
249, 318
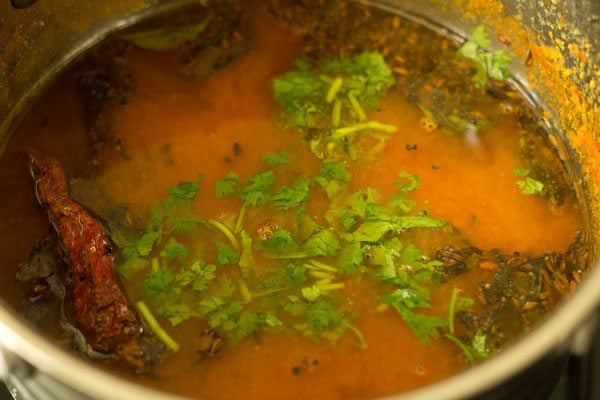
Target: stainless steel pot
558, 44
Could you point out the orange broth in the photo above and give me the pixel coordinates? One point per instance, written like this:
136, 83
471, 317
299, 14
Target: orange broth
470, 186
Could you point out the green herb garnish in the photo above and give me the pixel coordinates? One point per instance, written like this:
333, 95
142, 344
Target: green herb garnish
329, 102
295, 276
489, 65
528, 185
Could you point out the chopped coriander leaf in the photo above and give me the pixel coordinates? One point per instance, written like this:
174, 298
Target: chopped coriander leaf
257, 192
278, 158
221, 312
408, 298
490, 65
288, 197
367, 76
350, 257
226, 255
305, 226
292, 277
311, 293
528, 185
186, 190
228, 186
332, 187
246, 325
425, 327
294, 305
332, 177
364, 202
334, 170
281, 241
272, 320
132, 266
371, 231
521, 172
348, 219
300, 94
331, 99
174, 251
198, 276
323, 243
184, 224
408, 183
204, 274
322, 315
145, 244
478, 346
157, 281
224, 286
176, 313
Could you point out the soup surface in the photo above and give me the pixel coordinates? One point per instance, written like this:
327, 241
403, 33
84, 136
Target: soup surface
372, 218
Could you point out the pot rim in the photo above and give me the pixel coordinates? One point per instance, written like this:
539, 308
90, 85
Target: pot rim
554, 334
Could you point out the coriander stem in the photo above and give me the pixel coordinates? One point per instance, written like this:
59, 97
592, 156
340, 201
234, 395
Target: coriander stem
238, 224
244, 291
322, 282
378, 126
360, 113
336, 113
323, 266
155, 326
352, 152
375, 149
268, 292
461, 346
320, 274
379, 136
357, 333
452, 309
331, 286
226, 231
287, 256
335, 87
347, 130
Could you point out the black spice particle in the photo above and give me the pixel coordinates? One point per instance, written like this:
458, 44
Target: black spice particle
237, 149
305, 365
411, 146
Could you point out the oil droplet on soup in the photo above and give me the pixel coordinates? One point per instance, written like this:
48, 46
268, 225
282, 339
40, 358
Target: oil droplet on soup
348, 209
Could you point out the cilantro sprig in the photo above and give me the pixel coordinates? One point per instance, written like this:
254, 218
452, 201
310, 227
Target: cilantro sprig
329, 102
527, 184
489, 64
